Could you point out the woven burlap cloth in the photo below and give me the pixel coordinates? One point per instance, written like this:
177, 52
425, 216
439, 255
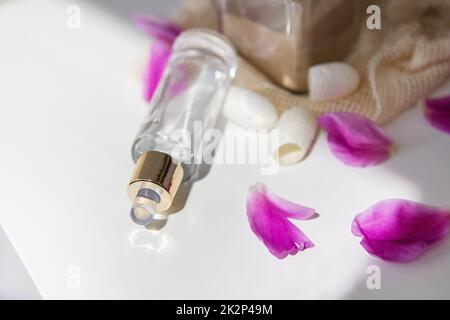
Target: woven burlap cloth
400, 64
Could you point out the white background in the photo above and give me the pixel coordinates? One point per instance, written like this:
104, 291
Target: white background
70, 105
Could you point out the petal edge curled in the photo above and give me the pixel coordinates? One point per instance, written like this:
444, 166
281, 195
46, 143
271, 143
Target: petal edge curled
400, 230
355, 140
268, 216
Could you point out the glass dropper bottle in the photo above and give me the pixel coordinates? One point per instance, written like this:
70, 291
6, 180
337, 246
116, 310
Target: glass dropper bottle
191, 92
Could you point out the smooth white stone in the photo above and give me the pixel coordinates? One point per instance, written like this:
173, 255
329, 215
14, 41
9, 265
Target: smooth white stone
249, 110
331, 81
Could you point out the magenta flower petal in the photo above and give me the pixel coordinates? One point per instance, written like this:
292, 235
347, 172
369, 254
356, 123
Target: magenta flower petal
400, 230
165, 33
355, 140
159, 56
437, 112
268, 217
162, 30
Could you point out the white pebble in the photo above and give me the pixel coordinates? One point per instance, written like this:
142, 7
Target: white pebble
249, 110
331, 81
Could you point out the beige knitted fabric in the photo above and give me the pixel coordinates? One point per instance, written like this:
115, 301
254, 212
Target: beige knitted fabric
399, 66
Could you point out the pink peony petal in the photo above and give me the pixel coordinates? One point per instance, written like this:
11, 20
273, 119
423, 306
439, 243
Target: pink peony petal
159, 56
437, 112
165, 33
400, 230
268, 217
355, 140
162, 30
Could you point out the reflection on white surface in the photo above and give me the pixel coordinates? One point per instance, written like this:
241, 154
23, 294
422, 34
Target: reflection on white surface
152, 240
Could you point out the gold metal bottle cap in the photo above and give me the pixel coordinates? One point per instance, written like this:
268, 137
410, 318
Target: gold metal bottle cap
159, 172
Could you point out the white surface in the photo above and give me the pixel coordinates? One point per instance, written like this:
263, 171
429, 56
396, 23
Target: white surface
15, 282
69, 109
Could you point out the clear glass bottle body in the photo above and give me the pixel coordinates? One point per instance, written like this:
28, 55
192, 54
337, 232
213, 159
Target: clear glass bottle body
190, 95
